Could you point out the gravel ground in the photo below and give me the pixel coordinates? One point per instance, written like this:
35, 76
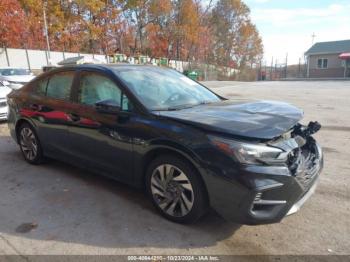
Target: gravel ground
58, 209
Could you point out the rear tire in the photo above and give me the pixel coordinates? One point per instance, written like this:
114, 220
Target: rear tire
29, 144
176, 189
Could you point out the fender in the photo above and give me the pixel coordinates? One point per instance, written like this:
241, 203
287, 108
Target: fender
19, 118
143, 155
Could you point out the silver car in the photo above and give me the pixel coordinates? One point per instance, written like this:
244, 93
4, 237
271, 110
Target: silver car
15, 78
4, 91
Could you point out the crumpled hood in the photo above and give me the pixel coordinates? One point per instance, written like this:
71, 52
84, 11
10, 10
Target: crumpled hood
261, 119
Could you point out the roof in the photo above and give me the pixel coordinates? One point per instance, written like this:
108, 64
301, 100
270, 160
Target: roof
120, 66
333, 47
101, 67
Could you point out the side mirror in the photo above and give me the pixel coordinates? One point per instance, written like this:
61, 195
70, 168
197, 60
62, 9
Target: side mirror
107, 107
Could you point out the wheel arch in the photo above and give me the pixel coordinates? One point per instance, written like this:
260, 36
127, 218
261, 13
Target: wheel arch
19, 123
152, 154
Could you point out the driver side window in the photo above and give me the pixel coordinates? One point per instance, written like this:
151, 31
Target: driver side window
96, 88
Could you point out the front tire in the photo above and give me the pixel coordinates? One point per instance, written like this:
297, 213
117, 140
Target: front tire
176, 189
29, 144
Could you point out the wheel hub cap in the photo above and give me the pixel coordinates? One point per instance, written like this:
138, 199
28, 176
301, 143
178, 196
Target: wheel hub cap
28, 143
172, 190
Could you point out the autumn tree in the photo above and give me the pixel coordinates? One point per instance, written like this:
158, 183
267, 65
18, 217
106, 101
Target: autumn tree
136, 12
159, 32
215, 31
236, 39
13, 27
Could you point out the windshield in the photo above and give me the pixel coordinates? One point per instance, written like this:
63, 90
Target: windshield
14, 72
165, 89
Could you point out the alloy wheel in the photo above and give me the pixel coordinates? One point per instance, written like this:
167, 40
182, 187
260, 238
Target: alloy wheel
172, 190
28, 143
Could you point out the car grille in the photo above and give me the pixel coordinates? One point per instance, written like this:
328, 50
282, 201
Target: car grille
3, 103
304, 163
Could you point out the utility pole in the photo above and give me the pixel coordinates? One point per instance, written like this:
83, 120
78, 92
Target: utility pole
46, 31
313, 36
286, 69
271, 69
276, 70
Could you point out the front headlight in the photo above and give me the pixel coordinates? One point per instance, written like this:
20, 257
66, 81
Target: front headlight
249, 153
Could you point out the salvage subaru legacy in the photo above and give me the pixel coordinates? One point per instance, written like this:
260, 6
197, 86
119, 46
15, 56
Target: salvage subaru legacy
189, 148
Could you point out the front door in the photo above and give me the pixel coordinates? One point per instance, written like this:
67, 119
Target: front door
102, 140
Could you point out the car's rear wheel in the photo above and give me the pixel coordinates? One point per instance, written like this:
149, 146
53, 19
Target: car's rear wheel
30, 144
176, 189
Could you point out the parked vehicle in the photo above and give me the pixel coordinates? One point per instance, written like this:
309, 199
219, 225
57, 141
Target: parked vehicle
191, 149
4, 91
16, 77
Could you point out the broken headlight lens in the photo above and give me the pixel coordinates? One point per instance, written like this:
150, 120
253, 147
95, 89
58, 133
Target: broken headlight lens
248, 153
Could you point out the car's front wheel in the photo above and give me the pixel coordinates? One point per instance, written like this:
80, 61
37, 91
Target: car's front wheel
176, 190
29, 144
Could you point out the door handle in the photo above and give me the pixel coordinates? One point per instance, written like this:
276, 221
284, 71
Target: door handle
34, 107
74, 117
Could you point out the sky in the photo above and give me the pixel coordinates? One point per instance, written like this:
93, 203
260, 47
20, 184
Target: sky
287, 26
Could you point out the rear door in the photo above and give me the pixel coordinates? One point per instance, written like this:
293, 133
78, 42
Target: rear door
102, 141
49, 108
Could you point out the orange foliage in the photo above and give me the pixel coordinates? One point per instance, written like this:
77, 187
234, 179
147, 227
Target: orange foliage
12, 24
176, 29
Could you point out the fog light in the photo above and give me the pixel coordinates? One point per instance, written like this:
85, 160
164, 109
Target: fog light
257, 197
259, 201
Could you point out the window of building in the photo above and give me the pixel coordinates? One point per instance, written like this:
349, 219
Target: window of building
322, 63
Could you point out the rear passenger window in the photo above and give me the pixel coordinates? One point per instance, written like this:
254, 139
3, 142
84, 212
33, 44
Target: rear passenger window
59, 85
41, 85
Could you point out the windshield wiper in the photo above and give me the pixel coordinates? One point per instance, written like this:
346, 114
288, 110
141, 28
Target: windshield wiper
205, 102
173, 108
180, 107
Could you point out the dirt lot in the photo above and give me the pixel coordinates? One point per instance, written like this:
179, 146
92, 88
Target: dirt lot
59, 209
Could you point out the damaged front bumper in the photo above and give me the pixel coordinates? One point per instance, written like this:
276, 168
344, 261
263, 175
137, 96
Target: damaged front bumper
272, 203
308, 178
261, 194
296, 207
